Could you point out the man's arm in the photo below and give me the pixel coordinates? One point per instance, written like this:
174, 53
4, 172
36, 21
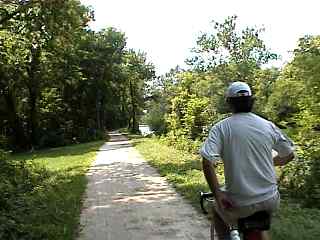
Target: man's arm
281, 161
210, 175
283, 146
212, 180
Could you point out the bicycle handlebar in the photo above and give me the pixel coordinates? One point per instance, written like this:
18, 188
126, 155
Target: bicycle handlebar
203, 196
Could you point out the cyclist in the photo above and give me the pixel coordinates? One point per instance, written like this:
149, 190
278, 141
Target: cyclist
244, 142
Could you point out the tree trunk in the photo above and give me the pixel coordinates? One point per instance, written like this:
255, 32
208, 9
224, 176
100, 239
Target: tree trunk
98, 115
20, 140
33, 87
98, 109
134, 128
124, 118
103, 114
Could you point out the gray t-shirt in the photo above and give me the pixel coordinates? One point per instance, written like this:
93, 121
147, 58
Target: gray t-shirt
245, 142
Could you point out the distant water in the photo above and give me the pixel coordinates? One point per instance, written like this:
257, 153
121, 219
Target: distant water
145, 130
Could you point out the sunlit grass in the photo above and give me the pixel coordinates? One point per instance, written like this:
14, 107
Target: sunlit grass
63, 158
53, 208
184, 171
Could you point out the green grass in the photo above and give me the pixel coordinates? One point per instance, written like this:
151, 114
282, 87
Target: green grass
63, 158
51, 209
184, 171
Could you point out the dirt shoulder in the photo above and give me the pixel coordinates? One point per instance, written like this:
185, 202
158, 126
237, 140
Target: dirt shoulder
127, 199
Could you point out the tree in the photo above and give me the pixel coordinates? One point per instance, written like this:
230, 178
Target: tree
264, 80
32, 37
195, 99
230, 54
295, 102
138, 73
73, 83
103, 54
10, 9
12, 66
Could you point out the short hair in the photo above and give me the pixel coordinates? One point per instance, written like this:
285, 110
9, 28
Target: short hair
241, 104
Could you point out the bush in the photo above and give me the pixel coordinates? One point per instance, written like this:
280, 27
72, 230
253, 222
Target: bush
19, 181
155, 119
53, 138
182, 142
4, 142
300, 179
312, 182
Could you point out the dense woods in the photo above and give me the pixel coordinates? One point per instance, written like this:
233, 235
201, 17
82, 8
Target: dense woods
61, 82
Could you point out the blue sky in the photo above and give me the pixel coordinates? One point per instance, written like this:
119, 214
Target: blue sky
166, 30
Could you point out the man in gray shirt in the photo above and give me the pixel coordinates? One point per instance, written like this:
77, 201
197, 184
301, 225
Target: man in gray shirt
244, 142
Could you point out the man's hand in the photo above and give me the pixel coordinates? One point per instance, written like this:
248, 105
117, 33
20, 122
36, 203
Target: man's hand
281, 161
224, 202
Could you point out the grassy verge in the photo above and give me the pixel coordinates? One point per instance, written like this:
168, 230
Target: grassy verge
184, 171
180, 168
47, 199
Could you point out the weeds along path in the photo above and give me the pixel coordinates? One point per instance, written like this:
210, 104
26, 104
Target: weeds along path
127, 199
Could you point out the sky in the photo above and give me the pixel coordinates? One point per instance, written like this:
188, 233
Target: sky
167, 30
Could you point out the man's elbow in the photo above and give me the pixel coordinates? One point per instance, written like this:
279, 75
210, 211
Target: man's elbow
287, 159
206, 164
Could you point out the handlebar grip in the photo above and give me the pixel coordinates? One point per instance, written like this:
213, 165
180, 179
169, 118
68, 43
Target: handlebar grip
203, 196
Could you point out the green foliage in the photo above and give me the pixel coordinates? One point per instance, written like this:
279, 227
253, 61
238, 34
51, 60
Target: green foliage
226, 46
138, 73
189, 111
294, 222
4, 142
155, 119
62, 83
197, 98
20, 181
23, 212
295, 102
264, 80
189, 102
42, 192
182, 142
312, 180
283, 103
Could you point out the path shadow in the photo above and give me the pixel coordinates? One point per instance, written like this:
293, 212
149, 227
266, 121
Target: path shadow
107, 148
147, 186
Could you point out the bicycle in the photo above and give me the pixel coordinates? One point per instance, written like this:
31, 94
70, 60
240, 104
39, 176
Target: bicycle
248, 228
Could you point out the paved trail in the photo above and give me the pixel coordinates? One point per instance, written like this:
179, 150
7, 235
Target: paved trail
126, 199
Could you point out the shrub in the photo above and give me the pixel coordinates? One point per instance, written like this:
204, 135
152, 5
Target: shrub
4, 142
53, 138
155, 119
19, 181
312, 181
